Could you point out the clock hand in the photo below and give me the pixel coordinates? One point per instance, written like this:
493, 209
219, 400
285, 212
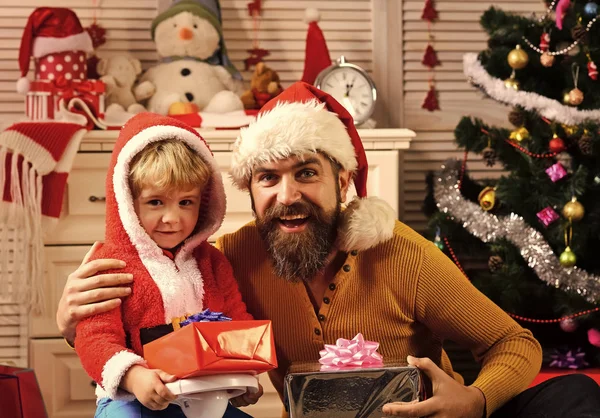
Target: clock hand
348, 105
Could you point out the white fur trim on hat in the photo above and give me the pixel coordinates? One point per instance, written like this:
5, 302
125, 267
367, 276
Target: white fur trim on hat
365, 223
43, 46
291, 129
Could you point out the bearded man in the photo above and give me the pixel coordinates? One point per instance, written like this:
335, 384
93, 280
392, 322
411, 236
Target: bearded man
320, 271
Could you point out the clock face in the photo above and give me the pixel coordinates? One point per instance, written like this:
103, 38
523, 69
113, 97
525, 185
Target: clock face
352, 89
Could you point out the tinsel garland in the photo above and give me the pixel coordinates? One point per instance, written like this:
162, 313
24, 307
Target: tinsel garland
549, 108
530, 242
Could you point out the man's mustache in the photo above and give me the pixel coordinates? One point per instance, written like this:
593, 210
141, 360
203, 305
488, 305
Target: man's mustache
297, 208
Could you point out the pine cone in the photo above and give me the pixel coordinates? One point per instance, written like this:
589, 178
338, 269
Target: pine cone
489, 156
586, 145
495, 263
516, 117
580, 34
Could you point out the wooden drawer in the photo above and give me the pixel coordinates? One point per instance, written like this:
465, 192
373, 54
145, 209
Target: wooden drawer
67, 389
59, 262
82, 218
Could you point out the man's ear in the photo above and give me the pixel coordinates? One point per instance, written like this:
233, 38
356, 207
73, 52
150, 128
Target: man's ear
344, 177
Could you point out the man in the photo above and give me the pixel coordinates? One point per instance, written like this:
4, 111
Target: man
320, 272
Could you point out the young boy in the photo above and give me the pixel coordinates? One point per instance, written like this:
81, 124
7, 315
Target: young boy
164, 198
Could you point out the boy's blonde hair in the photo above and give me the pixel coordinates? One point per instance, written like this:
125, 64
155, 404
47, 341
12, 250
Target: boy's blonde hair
167, 164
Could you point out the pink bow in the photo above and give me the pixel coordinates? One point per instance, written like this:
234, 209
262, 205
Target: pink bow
355, 352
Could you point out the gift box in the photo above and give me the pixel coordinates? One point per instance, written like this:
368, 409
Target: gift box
44, 96
70, 64
20, 395
314, 391
205, 348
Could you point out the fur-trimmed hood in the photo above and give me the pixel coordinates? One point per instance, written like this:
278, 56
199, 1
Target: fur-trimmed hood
122, 224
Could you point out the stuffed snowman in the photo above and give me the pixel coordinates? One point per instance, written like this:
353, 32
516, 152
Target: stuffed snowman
195, 68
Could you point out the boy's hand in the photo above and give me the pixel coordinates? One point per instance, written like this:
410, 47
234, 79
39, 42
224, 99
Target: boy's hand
148, 386
247, 398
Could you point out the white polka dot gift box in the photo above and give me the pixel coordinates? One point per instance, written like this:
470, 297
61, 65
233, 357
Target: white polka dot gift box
69, 64
44, 96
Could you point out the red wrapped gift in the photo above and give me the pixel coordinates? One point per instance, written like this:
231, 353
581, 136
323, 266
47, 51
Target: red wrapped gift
20, 395
44, 96
205, 348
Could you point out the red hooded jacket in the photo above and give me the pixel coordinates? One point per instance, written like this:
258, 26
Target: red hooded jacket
197, 277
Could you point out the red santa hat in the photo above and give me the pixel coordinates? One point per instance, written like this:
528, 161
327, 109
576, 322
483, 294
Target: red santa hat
50, 30
304, 119
316, 55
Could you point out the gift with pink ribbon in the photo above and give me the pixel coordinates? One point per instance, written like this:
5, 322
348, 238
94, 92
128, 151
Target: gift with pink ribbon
356, 352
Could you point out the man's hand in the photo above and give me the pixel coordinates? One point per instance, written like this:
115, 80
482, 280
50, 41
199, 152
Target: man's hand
450, 399
247, 398
148, 386
88, 293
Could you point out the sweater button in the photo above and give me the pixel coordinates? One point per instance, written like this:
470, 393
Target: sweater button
326, 300
354, 252
321, 317
332, 286
317, 331
346, 268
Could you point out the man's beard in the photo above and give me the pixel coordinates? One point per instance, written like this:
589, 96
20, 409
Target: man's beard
299, 256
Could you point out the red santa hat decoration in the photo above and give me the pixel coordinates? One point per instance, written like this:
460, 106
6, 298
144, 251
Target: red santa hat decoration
303, 119
316, 54
50, 30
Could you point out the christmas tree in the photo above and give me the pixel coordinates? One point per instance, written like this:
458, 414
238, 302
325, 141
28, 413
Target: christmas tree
538, 225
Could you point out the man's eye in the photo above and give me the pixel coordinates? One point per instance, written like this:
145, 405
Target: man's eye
307, 174
266, 178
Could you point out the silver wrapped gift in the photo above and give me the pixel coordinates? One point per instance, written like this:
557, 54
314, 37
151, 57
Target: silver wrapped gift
351, 392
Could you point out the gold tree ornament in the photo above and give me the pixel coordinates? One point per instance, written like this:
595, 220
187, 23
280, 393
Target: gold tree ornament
487, 198
518, 58
512, 82
520, 134
575, 95
574, 210
547, 60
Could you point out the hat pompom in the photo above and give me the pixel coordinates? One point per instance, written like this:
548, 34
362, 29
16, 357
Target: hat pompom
312, 15
365, 223
23, 85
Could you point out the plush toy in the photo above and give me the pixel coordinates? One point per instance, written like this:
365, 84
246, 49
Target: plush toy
195, 67
264, 85
119, 73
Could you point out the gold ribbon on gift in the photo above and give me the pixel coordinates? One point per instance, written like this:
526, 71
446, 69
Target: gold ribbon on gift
176, 321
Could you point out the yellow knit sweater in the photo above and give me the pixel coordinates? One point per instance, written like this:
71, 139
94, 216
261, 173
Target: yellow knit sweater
405, 294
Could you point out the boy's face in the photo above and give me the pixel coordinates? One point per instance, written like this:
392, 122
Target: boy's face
168, 217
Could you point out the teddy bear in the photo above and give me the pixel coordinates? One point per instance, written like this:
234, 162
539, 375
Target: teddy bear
195, 67
119, 73
264, 85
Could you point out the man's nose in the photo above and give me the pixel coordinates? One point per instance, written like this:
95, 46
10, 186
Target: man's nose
289, 192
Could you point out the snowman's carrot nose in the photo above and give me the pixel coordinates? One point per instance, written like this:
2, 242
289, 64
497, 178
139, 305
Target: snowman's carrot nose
185, 33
